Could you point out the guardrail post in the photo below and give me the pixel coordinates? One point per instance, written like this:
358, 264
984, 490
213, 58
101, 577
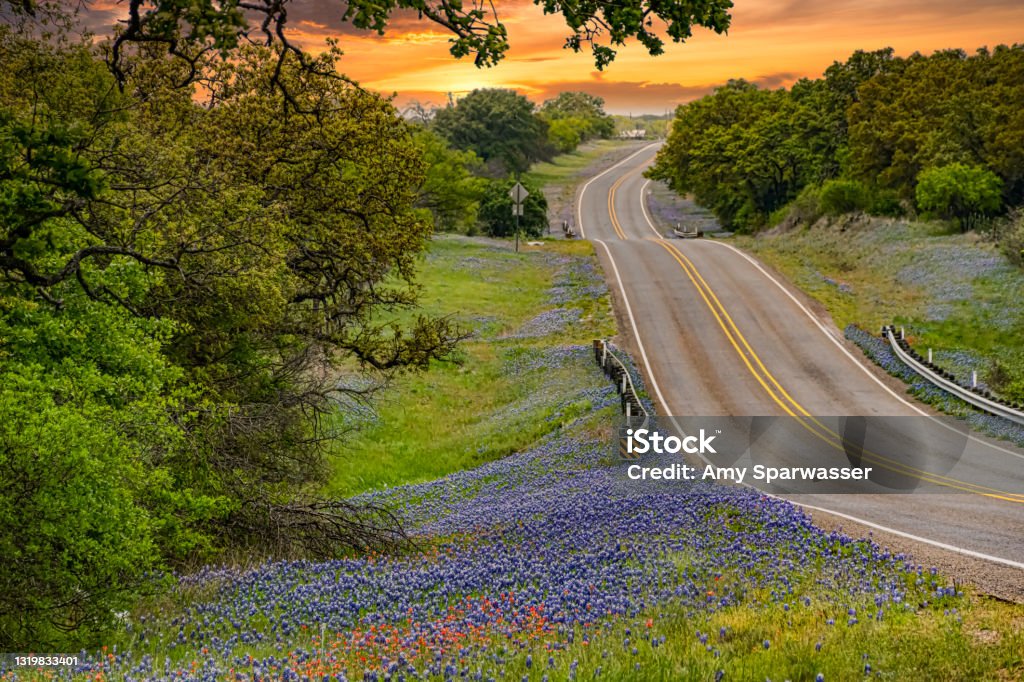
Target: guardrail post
981, 399
630, 403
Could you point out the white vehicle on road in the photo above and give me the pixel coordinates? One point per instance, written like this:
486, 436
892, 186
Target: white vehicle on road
687, 231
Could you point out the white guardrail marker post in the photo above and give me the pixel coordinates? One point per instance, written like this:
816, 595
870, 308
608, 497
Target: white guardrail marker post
996, 407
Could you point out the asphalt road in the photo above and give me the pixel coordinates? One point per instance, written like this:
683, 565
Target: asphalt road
718, 333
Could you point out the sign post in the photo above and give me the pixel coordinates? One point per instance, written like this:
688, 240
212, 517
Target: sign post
518, 194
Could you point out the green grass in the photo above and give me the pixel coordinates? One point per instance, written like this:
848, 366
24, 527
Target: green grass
983, 640
453, 417
434, 423
566, 168
944, 638
955, 293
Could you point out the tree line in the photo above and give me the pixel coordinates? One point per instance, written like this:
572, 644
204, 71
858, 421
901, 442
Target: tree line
938, 136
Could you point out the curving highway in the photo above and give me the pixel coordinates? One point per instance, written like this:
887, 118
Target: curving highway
718, 333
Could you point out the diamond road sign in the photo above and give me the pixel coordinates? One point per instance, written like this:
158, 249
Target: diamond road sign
518, 193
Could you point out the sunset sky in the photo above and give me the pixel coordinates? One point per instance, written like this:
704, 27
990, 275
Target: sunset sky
772, 42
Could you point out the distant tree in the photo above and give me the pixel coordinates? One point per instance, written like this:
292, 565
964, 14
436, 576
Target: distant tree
497, 219
956, 191
584, 110
450, 190
499, 126
566, 134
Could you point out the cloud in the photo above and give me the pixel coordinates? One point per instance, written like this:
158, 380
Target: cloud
788, 14
101, 16
621, 97
645, 96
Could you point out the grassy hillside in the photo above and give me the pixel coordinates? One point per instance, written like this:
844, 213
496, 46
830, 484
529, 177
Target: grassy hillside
955, 293
459, 416
565, 168
546, 564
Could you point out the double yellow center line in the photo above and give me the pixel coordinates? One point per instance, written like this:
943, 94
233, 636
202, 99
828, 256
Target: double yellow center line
771, 385
616, 225
789, 404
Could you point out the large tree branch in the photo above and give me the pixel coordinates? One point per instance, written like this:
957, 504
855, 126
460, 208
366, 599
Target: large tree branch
31, 275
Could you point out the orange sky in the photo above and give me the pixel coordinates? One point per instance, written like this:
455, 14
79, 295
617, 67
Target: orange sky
772, 42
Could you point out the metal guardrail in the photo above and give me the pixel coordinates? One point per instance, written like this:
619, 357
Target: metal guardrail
632, 406
979, 398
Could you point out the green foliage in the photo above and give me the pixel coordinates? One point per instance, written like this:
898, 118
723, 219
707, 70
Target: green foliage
450, 190
579, 105
806, 208
1011, 237
940, 110
87, 422
956, 191
576, 117
499, 126
496, 218
740, 152
179, 282
837, 197
885, 202
566, 134
876, 119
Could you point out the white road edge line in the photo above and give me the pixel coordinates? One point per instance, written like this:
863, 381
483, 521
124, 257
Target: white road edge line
831, 337
643, 207
911, 536
870, 524
579, 197
632, 321
857, 362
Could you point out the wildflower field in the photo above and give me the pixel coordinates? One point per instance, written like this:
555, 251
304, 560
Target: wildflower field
955, 293
537, 560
